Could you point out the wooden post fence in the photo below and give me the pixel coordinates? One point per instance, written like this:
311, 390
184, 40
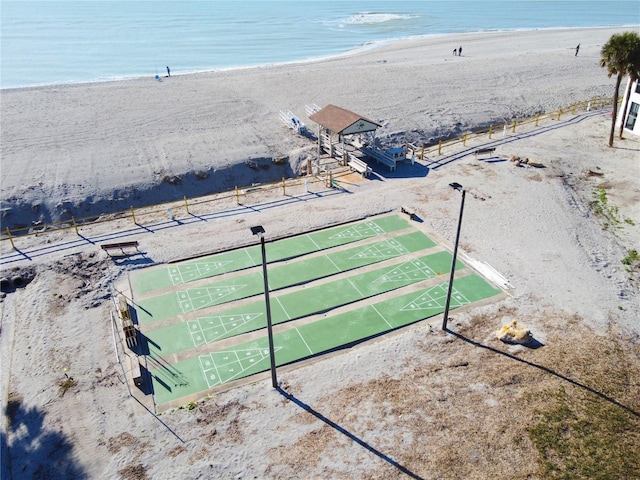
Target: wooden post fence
10, 239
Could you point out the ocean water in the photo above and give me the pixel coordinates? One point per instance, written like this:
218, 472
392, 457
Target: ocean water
47, 42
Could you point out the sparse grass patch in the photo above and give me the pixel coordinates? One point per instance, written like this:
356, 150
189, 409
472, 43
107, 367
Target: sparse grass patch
585, 436
591, 432
632, 263
608, 213
631, 259
601, 208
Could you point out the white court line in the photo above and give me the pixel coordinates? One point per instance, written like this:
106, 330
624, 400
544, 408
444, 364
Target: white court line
303, 340
283, 309
201, 333
215, 367
203, 372
334, 264
463, 296
247, 252
176, 278
313, 241
381, 316
356, 288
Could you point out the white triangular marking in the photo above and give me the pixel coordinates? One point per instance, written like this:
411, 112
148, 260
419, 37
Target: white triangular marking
209, 329
194, 271
197, 298
224, 366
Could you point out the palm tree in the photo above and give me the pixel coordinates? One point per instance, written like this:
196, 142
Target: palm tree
618, 56
634, 76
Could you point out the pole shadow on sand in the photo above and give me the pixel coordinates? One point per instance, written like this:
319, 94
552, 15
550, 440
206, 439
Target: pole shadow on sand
547, 370
347, 433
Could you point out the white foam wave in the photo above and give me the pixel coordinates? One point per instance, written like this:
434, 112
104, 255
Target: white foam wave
370, 18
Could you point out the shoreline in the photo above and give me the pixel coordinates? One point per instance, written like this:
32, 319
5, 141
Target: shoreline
367, 47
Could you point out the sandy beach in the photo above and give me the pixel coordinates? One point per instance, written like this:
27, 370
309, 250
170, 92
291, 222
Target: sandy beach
83, 149
420, 403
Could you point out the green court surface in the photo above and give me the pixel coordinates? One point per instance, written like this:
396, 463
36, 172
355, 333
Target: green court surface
202, 321
312, 300
201, 372
205, 267
216, 292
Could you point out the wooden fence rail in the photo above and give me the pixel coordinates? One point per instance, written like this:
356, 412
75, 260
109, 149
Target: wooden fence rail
238, 194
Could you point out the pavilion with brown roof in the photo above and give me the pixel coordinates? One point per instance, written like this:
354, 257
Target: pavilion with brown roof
333, 120
343, 122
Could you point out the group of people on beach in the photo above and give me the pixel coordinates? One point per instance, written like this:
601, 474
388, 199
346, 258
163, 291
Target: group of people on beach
457, 52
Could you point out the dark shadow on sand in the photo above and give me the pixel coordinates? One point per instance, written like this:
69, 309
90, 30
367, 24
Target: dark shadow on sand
403, 170
35, 452
348, 434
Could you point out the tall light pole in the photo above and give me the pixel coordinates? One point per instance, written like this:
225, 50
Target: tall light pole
455, 186
259, 231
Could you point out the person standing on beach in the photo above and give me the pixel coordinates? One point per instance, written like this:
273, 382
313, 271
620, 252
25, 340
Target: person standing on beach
168, 72
577, 50
460, 52
455, 52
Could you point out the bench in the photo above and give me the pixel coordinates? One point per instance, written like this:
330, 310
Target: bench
107, 247
409, 211
129, 330
135, 370
360, 167
484, 151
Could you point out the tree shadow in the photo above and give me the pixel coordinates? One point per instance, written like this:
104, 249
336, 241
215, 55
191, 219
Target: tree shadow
547, 370
32, 451
347, 433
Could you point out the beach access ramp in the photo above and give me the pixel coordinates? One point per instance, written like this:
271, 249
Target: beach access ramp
380, 156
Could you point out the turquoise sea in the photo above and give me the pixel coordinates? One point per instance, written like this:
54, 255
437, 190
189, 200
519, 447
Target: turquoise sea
47, 42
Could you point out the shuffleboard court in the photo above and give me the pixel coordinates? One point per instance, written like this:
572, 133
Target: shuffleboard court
297, 271
202, 321
224, 262
217, 367
301, 303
